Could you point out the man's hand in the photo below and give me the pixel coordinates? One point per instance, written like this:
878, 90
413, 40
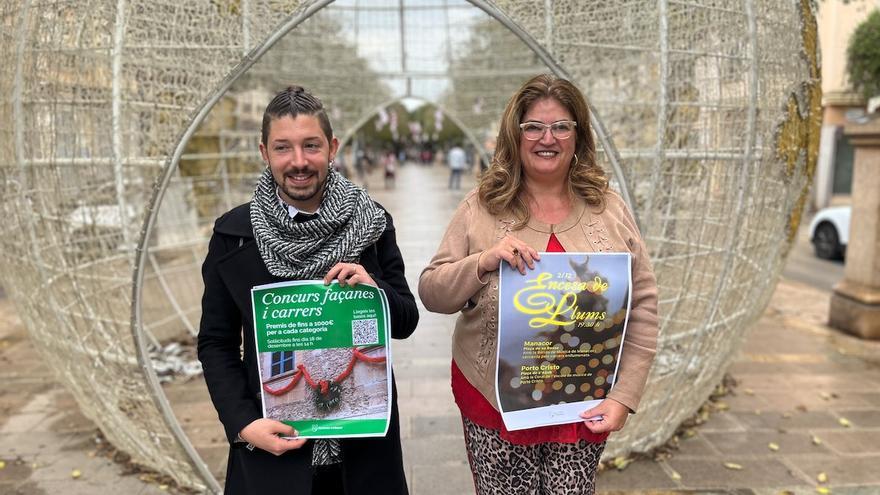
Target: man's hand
610, 416
349, 274
263, 434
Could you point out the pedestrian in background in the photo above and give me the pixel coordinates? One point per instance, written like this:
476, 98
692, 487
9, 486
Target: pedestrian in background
362, 167
543, 192
457, 160
390, 166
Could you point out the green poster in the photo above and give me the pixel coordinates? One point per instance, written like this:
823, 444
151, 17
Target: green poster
324, 358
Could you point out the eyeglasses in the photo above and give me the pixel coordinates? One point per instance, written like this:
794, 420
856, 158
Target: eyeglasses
561, 129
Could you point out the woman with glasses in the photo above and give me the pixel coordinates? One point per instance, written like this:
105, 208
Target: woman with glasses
544, 192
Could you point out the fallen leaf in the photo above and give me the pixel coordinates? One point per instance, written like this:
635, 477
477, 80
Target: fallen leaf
786, 492
689, 433
786, 415
732, 465
721, 406
163, 487
817, 440
823, 490
75, 474
675, 475
844, 422
2, 464
749, 391
621, 462
822, 478
825, 395
773, 446
801, 408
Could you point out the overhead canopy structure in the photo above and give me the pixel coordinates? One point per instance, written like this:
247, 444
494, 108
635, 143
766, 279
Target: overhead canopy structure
707, 115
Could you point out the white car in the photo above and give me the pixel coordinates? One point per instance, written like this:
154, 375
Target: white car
829, 232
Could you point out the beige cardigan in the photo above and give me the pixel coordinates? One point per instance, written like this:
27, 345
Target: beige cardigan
450, 283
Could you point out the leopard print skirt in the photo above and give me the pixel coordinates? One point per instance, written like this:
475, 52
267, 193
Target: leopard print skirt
502, 468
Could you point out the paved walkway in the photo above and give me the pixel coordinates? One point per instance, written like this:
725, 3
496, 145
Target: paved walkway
797, 382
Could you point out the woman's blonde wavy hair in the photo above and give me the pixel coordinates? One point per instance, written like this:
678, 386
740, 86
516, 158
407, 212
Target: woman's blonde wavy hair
501, 187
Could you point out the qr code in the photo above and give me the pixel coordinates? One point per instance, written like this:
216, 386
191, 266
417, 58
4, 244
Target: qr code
364, 332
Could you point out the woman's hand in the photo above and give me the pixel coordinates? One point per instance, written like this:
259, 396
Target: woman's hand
609, 415
510, 249
349, 274
264, 434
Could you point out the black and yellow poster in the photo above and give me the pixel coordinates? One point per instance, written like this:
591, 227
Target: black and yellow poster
560, 332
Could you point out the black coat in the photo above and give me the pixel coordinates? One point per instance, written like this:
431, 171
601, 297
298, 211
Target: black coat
232, 267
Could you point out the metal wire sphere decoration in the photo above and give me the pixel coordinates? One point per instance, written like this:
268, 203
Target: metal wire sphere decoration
707, 115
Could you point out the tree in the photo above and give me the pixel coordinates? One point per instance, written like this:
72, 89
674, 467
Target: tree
487, 68
863, 57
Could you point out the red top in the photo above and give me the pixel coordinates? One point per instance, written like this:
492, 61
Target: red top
477, 409
553, 245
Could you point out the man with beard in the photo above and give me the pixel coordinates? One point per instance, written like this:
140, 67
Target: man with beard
305, 222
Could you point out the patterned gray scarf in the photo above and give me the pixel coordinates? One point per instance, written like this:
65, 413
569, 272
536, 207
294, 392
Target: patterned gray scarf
349, 222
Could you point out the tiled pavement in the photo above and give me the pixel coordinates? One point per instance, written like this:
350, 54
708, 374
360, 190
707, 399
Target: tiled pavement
796, 380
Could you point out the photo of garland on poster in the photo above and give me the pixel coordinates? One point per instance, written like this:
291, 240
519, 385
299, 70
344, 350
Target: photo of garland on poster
324, 358
560, 330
